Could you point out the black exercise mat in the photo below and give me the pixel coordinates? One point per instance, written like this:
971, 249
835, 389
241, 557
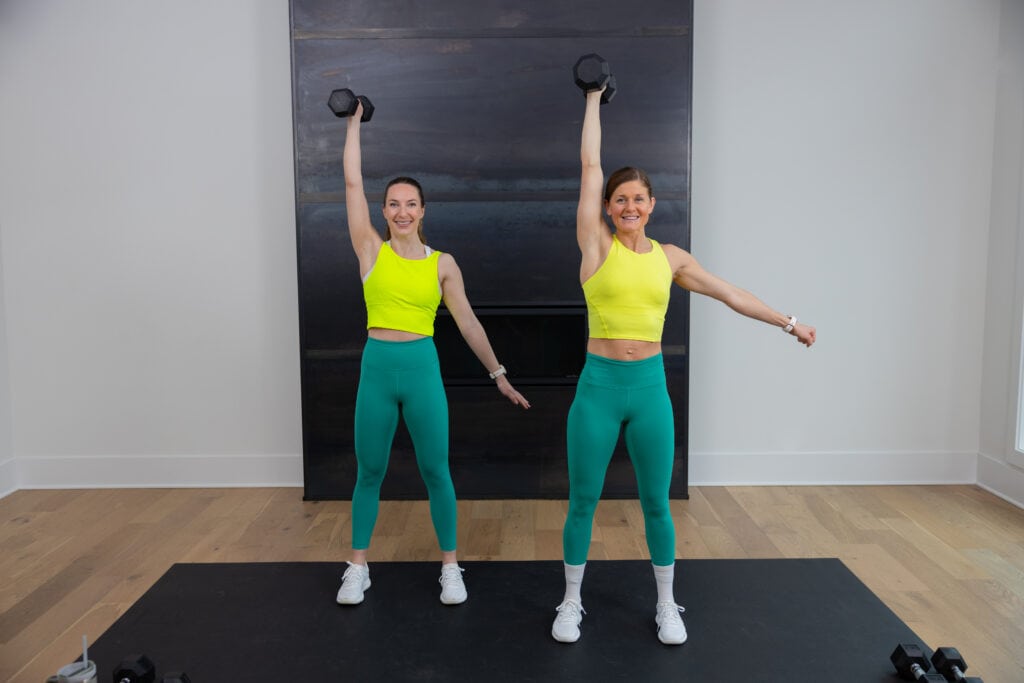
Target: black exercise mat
748, 620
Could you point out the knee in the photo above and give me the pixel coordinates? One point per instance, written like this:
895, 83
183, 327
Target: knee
655, 509
369, 475
582, 508
436, 474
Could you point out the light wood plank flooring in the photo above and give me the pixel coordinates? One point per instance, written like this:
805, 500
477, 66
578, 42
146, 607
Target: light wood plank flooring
949, 560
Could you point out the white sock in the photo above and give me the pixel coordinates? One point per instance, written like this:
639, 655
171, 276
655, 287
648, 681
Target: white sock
664, 577
573, 581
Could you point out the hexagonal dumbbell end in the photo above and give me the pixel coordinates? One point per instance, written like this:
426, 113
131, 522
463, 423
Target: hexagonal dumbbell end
176, 677
591, 72
609, 91
948, 662
342, 102
367, 108
909, 661
135, 669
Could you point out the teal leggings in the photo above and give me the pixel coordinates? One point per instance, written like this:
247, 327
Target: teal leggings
612, 395
406, 375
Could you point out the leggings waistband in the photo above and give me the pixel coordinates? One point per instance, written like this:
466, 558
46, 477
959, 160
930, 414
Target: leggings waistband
400, 355
608, 372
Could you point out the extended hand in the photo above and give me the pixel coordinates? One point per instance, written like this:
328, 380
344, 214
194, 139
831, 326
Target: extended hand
805, 334
509, 391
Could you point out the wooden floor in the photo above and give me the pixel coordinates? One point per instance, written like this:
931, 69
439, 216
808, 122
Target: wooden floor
949, 560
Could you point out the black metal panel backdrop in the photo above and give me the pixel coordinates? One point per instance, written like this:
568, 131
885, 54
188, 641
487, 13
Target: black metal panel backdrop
476, 100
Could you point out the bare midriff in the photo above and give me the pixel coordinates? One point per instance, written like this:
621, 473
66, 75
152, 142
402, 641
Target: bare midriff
387, 334
623, 349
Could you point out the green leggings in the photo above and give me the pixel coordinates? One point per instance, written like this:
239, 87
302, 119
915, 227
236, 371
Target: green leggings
406, 375
610, 395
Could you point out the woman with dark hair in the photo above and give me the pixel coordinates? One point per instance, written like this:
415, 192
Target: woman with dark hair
404, 281
626, 278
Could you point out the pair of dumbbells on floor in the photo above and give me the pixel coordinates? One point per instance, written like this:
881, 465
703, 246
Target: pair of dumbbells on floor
591, 72
912, 665
140, 669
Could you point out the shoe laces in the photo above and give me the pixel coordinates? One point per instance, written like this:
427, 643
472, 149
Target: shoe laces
570, 611
668, 612
450, 576
355, 572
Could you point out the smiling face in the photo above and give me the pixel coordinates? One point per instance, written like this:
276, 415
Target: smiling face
403, 210
629, 205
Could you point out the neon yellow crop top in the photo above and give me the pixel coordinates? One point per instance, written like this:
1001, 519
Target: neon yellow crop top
628, 295
402, 294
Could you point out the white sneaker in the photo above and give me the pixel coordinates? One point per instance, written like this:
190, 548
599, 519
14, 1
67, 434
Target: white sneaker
355, 580
566, 628
671, 630
453, 590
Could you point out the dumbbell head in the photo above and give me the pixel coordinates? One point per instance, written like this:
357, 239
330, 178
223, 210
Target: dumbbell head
591, 72
342, 102
367, 108
135, 669
609, 91
176, 677
947, 660
905, 657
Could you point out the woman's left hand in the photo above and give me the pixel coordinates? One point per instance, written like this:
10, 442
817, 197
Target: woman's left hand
509, 391
805, 334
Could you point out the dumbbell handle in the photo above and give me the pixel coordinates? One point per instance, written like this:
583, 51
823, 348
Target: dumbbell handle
920, 674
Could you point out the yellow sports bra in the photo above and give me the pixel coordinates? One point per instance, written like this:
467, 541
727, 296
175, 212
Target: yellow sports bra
402, 294
628, 295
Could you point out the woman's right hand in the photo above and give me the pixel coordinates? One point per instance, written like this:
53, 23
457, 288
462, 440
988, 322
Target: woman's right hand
509, 392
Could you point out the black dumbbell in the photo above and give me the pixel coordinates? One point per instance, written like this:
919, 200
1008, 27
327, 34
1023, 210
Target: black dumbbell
591, 72
911, 664
343, 102
176, 677
135, 669
948, 662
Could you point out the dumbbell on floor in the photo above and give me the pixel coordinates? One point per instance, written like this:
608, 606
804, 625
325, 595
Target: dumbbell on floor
948, 662
343, 102
912, 665
135, 669
591, 72
176, 677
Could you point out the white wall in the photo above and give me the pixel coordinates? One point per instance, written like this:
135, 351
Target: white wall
842, 155
147, 204
842, 171
8, 480
1001, 466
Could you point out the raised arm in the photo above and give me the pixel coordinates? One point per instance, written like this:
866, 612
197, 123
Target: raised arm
689, 274
365, 239
592, 232
454, 293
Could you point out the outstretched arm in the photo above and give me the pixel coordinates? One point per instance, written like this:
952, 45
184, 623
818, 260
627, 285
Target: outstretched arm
689, 274
454, 293
592, 232
365, 239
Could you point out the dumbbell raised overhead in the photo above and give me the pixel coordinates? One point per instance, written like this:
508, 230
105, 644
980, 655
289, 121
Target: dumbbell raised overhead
912, 665
591, 72
343, 102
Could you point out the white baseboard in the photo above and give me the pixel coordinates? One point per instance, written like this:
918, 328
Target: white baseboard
1002, 479
832, 468
165, 471
706, 469
8, 477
